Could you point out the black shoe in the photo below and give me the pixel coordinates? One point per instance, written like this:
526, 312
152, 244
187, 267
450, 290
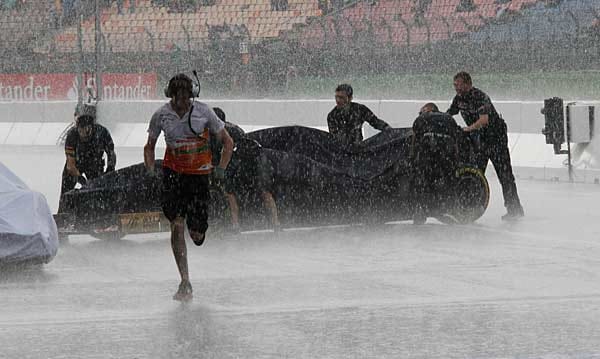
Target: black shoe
199, 242
514, 214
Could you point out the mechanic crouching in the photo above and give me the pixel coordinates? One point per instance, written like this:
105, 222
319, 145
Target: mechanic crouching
85, 146
434, 157
249, 170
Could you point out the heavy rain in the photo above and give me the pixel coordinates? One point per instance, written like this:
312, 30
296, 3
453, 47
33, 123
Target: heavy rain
299, 179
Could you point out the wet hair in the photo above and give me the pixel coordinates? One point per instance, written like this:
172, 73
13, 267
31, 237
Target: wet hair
431, 106
177, 83
85, 109
220, 113
345, 88
84, 121
463, 75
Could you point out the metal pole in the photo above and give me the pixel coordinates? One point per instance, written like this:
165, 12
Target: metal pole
570, 165
98, 48
80, 64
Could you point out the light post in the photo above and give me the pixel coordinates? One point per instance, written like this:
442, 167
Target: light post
98, 52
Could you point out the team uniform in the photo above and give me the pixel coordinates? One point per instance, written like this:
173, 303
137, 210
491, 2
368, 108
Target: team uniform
345, 124
88, 154
493, 141
236, 133
249, 169
434, 156
247, 174
187, 163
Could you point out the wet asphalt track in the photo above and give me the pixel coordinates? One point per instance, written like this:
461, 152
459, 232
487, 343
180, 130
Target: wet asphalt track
489, 290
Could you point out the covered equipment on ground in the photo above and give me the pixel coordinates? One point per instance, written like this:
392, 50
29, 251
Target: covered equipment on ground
28, 233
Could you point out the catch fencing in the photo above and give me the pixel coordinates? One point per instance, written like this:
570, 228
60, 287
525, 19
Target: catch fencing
296, 47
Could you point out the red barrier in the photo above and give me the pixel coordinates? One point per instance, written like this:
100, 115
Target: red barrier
56, 87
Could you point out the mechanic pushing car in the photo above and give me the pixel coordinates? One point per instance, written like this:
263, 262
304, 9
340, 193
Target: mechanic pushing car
479, 114
249, 170
187, 126
346, 119
85, 145
434, 156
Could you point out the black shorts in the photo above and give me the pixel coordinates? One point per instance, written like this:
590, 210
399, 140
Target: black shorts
186, 196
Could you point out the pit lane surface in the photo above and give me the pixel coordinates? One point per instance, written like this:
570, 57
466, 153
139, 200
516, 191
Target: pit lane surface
489, 290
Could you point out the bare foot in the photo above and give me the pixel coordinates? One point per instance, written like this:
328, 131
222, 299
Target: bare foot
184, 293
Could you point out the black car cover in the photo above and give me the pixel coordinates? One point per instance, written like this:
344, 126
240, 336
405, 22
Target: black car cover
316, 180
300, 151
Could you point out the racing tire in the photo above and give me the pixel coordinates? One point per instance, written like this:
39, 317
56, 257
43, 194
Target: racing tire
472, 195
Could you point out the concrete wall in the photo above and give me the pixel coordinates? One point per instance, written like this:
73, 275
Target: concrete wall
522, 117
41, 124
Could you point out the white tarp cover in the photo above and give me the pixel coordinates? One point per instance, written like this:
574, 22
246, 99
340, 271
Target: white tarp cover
27, 229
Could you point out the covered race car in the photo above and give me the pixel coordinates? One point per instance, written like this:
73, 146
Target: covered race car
315, 181
28, 234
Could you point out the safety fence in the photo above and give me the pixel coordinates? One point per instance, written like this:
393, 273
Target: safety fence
270, 46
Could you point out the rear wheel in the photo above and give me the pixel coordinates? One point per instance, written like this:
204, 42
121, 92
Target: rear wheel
472, 195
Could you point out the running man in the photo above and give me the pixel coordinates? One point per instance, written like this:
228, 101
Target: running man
186, 167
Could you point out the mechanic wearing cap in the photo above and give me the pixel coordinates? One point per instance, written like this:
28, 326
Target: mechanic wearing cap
85, 145
249, 170
186, 168
346, 119
481, 118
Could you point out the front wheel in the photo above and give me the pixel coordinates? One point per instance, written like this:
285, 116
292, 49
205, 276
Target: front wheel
472, 195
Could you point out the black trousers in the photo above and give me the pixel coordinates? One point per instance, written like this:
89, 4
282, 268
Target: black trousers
434, 166
68, 182
430, 184
494, 148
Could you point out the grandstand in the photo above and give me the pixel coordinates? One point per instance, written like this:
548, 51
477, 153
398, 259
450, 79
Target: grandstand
155, 28
539, 22
152, 28
20, 27
408, 22
267, 40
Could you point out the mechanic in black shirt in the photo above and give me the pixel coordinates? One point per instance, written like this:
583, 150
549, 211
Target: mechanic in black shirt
346, 119
85, 146
248, 170
479, 114
434, 157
